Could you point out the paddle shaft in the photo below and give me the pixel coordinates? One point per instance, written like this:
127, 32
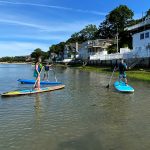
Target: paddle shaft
54, 71
54, 75
111, 77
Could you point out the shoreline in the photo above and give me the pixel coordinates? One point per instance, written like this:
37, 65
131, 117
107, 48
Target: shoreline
16, 63
140, 75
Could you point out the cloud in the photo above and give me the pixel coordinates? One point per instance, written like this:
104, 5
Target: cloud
65, 27
55, 7
39, 37
20, 48
21, 23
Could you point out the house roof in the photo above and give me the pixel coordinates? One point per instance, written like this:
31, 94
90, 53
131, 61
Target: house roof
145, 25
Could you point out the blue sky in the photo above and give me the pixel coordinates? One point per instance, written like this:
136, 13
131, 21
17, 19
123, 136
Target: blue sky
29, 24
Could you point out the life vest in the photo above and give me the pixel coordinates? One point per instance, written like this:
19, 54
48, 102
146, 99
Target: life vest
122, 67
39, 67
46, 68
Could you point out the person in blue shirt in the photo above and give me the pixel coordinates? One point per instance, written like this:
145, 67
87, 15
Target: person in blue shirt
122, 67
47, 68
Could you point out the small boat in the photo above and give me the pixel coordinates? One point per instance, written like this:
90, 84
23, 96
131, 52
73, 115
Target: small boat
122, 87
32, 91
26, 81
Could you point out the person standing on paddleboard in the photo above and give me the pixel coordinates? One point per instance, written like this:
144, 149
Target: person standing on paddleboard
122, 67
47, 68
37, 71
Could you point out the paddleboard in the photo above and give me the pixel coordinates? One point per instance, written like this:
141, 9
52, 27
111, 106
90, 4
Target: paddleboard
26, 81
32, 91
122, 87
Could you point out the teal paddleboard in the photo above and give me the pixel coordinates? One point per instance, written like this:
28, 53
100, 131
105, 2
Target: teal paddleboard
122, 87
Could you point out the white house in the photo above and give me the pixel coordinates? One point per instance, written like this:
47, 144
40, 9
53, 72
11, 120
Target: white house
141, 38
71, 52
94, 49
140, 41
83, 51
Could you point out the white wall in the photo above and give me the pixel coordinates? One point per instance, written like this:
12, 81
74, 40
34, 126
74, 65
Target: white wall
140, 43
83, 51
124, 50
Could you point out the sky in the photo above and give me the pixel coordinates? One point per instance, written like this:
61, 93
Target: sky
29, 24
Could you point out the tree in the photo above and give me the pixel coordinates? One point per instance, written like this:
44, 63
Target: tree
148, 13
87, 33
112, 48
39, 53
105, 30
116, 21
57, 48
119, 17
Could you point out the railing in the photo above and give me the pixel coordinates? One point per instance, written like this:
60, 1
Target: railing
141, 53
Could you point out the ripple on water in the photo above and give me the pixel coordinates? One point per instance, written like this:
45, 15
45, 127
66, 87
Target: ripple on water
84, 115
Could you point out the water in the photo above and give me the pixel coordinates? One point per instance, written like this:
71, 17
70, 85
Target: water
83, 116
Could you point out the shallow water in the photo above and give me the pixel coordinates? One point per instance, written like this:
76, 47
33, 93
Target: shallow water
83, 116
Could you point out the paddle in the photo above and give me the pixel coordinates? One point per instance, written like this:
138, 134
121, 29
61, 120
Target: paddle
54, 74
54, 71
37, 78
110, 78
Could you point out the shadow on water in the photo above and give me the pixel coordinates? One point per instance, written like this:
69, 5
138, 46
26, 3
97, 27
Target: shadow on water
87, 142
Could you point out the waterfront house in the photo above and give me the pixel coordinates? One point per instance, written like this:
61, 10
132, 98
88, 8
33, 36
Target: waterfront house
93, 49
141, 38
71, 52
140, 41
83, 51
97, 48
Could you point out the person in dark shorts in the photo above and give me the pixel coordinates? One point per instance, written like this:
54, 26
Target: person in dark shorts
122, 67
47, 68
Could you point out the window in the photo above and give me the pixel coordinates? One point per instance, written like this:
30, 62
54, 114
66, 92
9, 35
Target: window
147, 35
142, 36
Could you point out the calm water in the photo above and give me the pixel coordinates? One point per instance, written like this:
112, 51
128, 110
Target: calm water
83, 116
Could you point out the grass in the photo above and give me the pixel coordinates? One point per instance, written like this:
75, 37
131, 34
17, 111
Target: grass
143, 75
95, 69
139, 75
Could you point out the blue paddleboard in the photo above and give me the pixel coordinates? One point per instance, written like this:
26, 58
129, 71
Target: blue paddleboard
122, 87
25, 81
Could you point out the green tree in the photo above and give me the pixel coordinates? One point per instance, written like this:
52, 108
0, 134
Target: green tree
119, 17
148, 13
112, 48
115, 21
57, 48
39, 53
87, 33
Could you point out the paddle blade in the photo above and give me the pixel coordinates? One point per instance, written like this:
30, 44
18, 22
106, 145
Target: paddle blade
107, 86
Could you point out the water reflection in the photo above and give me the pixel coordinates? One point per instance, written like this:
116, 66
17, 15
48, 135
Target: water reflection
38, 107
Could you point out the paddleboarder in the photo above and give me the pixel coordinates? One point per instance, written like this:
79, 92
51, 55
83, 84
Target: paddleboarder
122, 67
37, 71
47, 68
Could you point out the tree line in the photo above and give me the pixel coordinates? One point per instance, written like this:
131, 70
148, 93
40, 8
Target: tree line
13, 59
